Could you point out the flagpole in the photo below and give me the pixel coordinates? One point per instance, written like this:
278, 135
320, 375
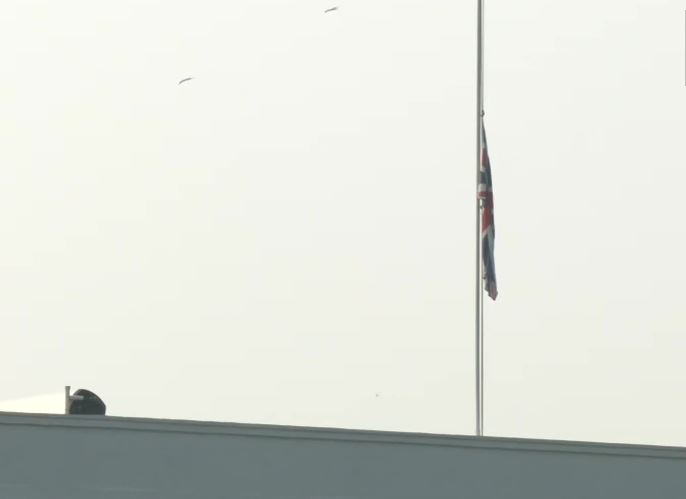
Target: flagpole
479, 273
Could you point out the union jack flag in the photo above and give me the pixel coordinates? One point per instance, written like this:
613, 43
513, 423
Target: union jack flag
485, 193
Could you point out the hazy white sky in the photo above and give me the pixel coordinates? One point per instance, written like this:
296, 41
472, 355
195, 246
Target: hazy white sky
288, 238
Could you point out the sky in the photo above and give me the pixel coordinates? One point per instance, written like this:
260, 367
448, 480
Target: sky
288, 238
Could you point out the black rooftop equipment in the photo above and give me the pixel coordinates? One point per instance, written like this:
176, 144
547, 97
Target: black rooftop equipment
85, 402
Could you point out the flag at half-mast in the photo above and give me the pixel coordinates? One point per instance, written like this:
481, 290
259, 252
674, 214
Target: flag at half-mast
487, 227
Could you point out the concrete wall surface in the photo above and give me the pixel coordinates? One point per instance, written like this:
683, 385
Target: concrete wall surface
88, 457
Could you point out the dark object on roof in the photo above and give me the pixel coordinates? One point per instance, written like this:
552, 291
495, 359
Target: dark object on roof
87, 402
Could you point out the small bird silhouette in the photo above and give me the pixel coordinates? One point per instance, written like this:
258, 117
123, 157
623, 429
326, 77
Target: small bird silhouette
185, 80
332, 9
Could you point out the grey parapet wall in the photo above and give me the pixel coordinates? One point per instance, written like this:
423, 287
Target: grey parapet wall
87, 457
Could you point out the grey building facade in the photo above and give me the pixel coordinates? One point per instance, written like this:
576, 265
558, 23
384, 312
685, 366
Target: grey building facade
86, 457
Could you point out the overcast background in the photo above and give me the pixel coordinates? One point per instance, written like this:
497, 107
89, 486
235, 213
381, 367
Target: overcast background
289, 237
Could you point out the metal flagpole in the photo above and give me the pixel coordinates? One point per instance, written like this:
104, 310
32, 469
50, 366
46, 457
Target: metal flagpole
479, 259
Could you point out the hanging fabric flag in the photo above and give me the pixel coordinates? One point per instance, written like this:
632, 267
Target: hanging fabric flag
487, 226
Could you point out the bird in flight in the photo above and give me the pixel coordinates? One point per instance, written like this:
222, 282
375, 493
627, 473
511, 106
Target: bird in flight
332, 9
185, 80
